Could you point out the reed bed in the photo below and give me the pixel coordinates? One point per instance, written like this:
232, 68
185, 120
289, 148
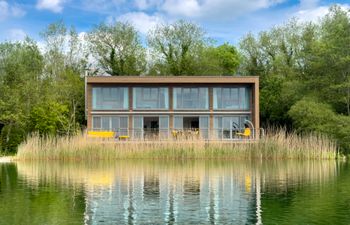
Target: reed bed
275, 145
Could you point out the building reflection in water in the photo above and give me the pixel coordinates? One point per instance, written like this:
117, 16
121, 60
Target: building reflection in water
176, 193
160, 198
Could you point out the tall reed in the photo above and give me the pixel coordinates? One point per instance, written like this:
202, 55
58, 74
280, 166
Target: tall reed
275, 145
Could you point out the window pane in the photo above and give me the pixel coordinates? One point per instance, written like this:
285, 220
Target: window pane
115, 123
138, 127
105, 123
138, 122
236, 98
164, 127
204, 122
123, 126
164, 122
204, 126
96, 123
124, 122
218, 127
107, 98
150, 98
178, 122
191, 98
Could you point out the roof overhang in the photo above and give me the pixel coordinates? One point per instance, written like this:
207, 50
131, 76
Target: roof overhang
171, 79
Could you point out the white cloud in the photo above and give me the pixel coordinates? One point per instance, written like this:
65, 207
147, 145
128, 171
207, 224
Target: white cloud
215, 9
17, 11
142, 22
55, 6
314, 14
103, 6
7, 11
189, 8
146, 4
307, 4
4, 10
16, 34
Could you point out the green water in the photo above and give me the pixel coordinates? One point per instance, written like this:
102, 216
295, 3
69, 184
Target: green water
200, 192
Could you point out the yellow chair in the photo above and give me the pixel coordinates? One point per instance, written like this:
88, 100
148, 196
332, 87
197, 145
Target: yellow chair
101, 134
246, 132
123, 137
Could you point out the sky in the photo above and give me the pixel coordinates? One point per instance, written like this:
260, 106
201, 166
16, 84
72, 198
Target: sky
223, 20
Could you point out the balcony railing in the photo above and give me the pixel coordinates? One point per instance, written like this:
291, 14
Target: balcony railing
187, 134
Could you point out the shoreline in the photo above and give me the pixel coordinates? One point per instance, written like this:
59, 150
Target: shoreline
6, 159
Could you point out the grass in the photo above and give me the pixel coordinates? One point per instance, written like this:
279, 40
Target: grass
275, 145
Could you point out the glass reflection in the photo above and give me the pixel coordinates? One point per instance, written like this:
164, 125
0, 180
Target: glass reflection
207, 192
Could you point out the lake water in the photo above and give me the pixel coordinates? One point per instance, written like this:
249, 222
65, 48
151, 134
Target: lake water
175, 192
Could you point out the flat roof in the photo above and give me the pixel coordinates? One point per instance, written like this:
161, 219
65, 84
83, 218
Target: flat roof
171, 79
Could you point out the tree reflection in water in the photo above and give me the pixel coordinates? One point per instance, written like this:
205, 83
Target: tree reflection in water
211, 192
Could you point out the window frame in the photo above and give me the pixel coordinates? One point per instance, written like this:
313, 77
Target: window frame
121, 100
219, 105
151, 98
191, 90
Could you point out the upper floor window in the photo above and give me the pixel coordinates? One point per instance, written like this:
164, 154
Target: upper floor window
109, 98
150, 98
236, 98
191, 98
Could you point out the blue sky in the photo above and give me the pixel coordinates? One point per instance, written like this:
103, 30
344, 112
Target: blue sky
223, 20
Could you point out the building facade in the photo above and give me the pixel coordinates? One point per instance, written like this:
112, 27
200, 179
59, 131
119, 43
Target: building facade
211, 107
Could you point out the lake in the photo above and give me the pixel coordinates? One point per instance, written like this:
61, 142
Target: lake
175, 192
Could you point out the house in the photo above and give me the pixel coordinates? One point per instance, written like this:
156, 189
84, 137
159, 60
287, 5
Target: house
162, 107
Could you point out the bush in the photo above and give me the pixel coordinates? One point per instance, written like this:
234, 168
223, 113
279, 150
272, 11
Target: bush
308, 115
10, 138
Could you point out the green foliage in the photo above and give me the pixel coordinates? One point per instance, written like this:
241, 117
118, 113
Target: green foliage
181, 48
300, 62
118, 49
41, 92
311, 116
21, 66
176, 47
330, 64
10, 137
221, 60
49, 118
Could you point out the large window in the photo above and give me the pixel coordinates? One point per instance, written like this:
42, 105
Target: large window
226, 127
192, 123
150, 127
191, 98
118, 124
236, 98
150, 98
109, 98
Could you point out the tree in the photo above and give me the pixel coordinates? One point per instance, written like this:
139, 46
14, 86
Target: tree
118, 49
66, 61
221, 60
63, 48
330, 64
310, 115
50, 118
176, 47
20, 83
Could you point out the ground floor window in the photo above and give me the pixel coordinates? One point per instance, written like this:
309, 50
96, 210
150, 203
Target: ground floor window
118, 124
151, 127
191, 125
227, 127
